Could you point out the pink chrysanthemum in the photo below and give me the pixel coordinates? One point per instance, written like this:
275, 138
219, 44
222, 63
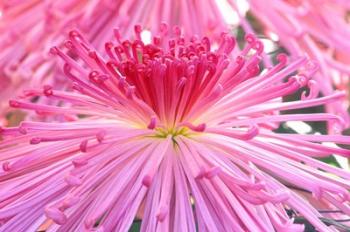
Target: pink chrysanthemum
318, 28
29, 28
176, 133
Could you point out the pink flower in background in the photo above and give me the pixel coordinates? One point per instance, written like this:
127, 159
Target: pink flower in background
176, 132
317, 28
29, 28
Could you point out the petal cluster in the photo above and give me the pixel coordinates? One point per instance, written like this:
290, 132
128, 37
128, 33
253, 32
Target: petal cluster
178, 132
29, 28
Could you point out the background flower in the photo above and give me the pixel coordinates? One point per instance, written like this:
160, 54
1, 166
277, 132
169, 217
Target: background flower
318, 29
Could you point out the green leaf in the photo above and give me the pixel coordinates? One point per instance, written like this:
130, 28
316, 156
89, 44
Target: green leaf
136, 226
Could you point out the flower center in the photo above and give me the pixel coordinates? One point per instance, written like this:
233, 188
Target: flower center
165, 132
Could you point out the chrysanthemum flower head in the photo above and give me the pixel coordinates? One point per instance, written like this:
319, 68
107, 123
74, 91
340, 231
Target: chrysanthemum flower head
176, 132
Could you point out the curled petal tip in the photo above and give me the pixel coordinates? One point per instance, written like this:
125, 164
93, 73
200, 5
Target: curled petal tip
6, 166
83, 145
199, 128
153, 123
68, 44
35, 140
138, 28
250, 38
56, 215
201, 173
313, 93
147, 181
54, 50
78, 162
163, 212
282, 58
214, 171
14, 104
72, 180
258, 46
22, 130
100, 136
47, 90
70, 201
